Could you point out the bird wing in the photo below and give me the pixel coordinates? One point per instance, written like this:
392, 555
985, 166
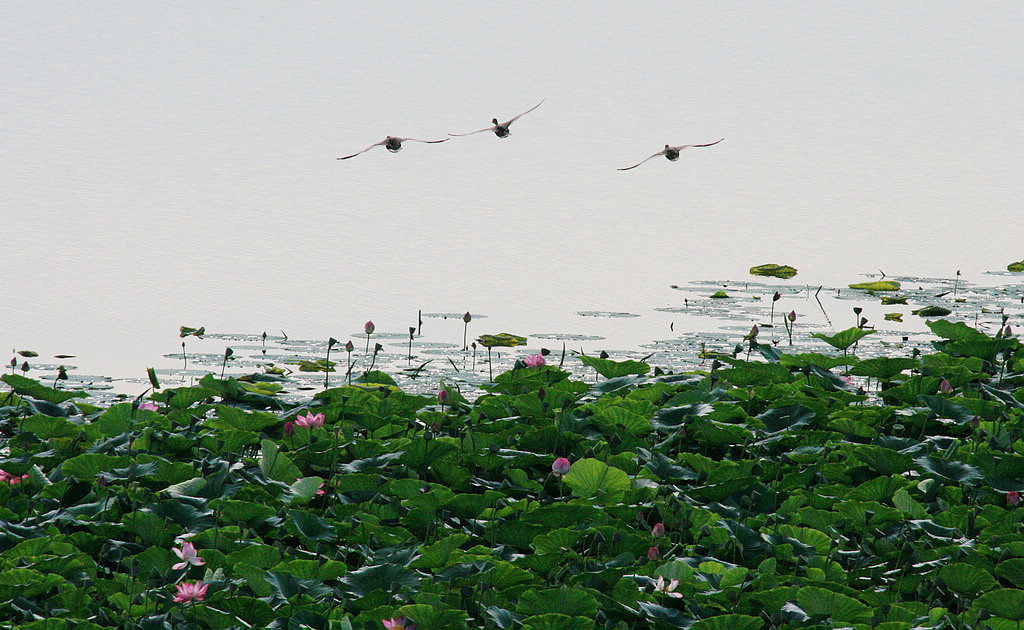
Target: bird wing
375, 144
491, 128
417, 140
525, 113
710, 144
662, 152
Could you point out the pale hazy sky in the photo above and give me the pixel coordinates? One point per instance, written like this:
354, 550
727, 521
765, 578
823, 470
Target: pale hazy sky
166, 163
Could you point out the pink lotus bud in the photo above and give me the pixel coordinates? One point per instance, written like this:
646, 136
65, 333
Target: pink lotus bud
653, 554
369, 328
349, 346
467, 317
534, 361
1012, 498
560, 466
792, 316
658, 530
541, 393
289, 428
443, 396
945, 387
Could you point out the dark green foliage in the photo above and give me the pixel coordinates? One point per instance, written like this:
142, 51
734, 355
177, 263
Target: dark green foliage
792, 496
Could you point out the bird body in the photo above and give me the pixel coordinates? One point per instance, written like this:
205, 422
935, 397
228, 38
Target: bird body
392, 144
499, 129
671, 153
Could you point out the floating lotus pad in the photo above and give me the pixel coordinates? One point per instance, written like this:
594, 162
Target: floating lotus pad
718, 295
1017, 266
503, 340
932, 311
775, 271
604, 314
878, 285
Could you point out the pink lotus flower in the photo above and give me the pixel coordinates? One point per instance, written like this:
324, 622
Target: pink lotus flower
658, 530
653, 554
148, 406
1012, 498
188, 556
309, 421
188, 592
560, 466
8, 478
534, 360
667, 589
397, 623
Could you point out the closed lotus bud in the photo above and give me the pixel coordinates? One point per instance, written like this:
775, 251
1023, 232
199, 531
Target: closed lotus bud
945, 387
349, 346
792, 316
541, 393
467, 317
1012, 498
443, 396
560, 466
653, 554
368, 327
289, 428
776, 297
658, 530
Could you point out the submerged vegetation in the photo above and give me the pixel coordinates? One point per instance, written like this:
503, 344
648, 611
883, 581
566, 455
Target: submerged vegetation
766, 490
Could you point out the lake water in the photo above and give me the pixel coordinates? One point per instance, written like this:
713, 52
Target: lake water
168, 165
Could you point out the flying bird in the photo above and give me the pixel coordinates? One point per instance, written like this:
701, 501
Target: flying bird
671, 153
499, 129
392, 144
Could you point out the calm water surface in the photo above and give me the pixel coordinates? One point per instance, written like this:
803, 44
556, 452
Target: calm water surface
176, 165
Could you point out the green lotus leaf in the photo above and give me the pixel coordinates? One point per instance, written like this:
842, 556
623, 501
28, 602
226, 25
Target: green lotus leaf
433, 617
1017, 266
592, 478
611, 369
774, 271
575, 602
86, 466
788, 418
728, 622
931, 311
820, 602
310, 525
719, 295
878, 285
884, 368
884, 461
966, 579
1007, 603
1012, 571
303, 490
949, 470
888, 300
842, 340
262, 556
276, 465
502, 340
557, 621
24, 386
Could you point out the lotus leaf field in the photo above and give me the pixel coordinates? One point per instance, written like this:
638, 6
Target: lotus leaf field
768, 490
